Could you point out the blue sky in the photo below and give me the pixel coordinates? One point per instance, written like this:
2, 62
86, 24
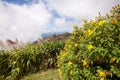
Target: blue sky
21, 2
29, 19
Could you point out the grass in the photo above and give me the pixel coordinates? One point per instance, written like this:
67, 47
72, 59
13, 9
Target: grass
51, 74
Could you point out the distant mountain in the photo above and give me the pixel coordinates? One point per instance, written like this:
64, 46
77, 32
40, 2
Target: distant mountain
53, 37
47, 34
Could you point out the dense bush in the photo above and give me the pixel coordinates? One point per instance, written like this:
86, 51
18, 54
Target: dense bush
32, 58
93, 52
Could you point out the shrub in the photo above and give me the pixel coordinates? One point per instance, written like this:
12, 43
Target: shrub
32, 58
93, 52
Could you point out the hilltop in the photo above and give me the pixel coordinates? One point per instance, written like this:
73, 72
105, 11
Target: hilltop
54, 37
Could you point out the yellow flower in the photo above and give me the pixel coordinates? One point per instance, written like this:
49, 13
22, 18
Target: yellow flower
60, 73
74, 33
69, 46
90, 32
76, 44
85, 63
101, 23
90, 47
102, 74
59, 70
102, 79
69, 63
71, 72
71, 42
93, 22
112, 60
63, 55
113, 22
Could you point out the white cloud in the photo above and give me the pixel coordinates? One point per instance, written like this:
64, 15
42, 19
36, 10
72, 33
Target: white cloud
28, 22
60, 22
63, 25
81, 8
24, 22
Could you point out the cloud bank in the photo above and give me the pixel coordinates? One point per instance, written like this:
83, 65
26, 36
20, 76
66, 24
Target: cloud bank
25, 22
82, 8
29, 21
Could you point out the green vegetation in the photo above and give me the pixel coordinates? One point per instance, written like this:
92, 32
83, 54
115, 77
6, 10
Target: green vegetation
32, 58
93, 52
45, 75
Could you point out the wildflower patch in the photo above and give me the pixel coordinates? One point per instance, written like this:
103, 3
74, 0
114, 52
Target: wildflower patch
93, 52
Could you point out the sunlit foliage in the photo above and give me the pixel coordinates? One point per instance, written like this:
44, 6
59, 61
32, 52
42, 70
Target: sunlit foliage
93, 52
